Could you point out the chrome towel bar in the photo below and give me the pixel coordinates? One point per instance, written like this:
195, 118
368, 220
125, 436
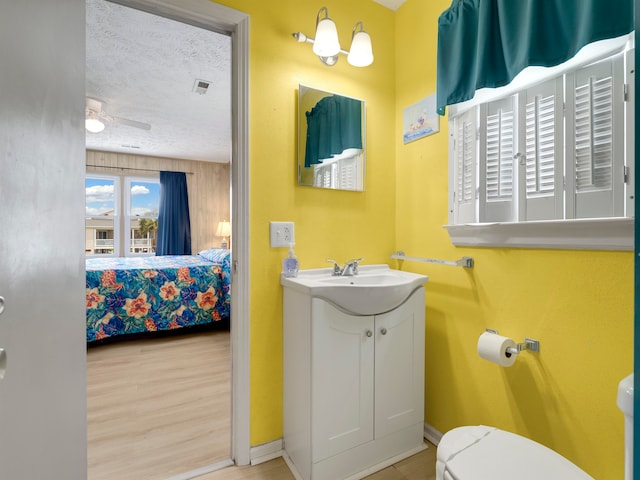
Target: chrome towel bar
466, 262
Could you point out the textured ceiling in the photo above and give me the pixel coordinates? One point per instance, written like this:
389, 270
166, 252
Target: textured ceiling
144, 67
392, 4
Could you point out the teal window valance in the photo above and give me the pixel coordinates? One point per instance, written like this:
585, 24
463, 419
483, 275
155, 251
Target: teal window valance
334, 124
486, 43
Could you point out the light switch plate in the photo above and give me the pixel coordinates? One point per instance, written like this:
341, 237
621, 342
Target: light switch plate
281, 234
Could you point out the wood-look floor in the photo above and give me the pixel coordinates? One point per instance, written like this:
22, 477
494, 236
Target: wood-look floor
158, 407
421, 466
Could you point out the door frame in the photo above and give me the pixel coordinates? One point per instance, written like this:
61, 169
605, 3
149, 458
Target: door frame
209, 15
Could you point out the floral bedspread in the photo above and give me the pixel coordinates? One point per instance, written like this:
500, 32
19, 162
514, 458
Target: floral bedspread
145, 294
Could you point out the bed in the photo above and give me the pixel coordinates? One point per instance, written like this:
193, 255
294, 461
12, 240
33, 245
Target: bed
135, 295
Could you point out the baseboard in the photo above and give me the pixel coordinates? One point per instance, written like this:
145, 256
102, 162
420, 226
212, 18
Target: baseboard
269, 451
387, 463
198, 472
266, 451
431, 434
292, 467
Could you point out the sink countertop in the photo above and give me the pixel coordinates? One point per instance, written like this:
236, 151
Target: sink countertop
376, 289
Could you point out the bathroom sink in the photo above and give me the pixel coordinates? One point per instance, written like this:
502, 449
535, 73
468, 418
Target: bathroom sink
376, 289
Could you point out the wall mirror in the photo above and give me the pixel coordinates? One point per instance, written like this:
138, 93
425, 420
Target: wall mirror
331, 140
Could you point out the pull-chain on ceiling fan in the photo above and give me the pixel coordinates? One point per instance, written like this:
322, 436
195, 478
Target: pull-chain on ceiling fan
96, 118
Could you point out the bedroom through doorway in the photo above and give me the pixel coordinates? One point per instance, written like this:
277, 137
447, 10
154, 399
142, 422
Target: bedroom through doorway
159, 405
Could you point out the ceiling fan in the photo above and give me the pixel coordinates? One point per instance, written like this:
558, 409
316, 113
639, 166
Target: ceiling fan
96, 117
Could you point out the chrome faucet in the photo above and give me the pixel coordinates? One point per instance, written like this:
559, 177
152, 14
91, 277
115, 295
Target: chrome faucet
350, 268
336, 268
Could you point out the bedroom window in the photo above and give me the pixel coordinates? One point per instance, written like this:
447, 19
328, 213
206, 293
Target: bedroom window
101, 215
548, 164
142, 203
116, 204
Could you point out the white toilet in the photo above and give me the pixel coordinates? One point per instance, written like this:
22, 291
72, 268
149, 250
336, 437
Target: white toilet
625, 403
479, 453
487, 453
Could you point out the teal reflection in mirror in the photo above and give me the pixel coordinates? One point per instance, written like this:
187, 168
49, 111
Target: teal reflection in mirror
331, 140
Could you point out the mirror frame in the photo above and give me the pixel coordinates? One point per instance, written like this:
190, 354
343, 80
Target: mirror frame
308, 97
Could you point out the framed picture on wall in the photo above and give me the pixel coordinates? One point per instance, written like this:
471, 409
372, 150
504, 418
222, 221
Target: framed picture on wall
420, 119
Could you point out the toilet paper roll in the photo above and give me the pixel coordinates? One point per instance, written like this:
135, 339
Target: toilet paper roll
493, 347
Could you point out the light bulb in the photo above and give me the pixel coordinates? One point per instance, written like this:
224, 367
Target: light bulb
326, 43
93, 125
361, 53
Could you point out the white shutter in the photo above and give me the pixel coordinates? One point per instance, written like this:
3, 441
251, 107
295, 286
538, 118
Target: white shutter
595, 145
326, 176
344, 173
465, 160
543, 153
629, 128
498, 137
594, 134
334, 176
347, 172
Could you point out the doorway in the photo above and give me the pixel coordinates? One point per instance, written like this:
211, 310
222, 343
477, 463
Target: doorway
204, 14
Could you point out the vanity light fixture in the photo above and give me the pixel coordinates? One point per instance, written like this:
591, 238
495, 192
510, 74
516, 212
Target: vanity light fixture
327, 46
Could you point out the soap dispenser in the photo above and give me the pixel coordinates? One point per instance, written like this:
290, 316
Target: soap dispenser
290, 264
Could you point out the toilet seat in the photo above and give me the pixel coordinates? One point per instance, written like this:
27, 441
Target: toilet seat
480, 452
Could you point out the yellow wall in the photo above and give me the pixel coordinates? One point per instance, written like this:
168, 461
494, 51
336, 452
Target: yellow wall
328, 224
579, 304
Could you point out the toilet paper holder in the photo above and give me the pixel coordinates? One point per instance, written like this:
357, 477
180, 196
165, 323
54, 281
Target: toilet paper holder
529, 344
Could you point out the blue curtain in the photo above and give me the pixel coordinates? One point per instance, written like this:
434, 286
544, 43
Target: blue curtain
333, 125
174, 225
486, 43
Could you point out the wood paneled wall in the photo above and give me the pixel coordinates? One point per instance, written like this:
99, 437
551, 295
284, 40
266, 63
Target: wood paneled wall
208, 183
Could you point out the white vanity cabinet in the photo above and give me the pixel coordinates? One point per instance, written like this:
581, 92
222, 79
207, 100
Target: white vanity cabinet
353, 386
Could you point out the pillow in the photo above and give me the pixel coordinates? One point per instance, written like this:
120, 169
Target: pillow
215, 255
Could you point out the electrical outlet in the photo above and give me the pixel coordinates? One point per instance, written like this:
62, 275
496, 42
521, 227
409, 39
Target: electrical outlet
281, 234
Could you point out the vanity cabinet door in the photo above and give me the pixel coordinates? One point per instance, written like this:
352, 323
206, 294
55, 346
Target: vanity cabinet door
341, 380
399, 366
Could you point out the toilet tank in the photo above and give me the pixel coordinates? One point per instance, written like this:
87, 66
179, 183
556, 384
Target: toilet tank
625, 403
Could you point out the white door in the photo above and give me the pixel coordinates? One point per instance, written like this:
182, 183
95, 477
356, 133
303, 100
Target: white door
42, 328
341, 380
399, 366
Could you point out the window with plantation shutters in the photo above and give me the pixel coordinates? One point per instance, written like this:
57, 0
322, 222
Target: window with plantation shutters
540, 147
464, 167
593, 135
347, 172
340, 173
629, 126
499, 173
595, 145
498, 139
542, 163
548, 162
